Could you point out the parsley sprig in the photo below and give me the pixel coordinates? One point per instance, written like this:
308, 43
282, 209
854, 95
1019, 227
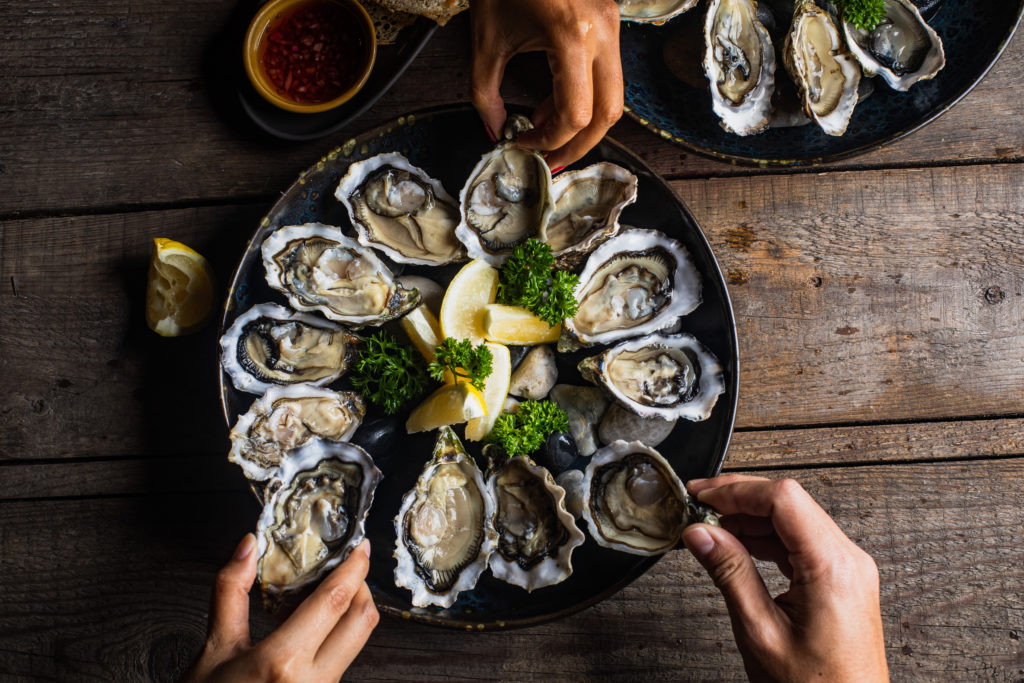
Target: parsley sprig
388, 373
524, 431
864, 14
468, 364
528, 279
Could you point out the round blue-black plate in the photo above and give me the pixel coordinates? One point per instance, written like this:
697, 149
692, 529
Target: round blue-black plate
973, 33
447, 142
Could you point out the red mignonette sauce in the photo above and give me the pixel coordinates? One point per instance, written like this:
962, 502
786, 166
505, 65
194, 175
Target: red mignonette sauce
315, 52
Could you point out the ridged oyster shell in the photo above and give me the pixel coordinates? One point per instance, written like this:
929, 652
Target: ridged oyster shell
270, 344
653, 11
397, 208
314, 515
320, 269
536, 534
638, 282
666, 376
287, 418
903, 49
444, 529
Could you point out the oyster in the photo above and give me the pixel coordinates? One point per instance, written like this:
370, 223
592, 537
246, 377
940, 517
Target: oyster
445, 534
314, 514
639, 281
507, 199
270, 344
286, 418
319, 269
536, 535
399, 209
632, 499
903, 49
588, 202
825, 73
652, 11
739, 61
666, 376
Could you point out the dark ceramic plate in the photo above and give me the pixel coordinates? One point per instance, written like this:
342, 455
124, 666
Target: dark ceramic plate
447, 142
974, 35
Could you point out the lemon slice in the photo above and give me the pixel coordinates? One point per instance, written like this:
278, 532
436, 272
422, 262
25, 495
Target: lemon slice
179, 294
495, 390
424, 331
515, 325
472, 288
451, 404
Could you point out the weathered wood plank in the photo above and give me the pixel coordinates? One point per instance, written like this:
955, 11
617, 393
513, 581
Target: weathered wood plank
117, 590
135, 119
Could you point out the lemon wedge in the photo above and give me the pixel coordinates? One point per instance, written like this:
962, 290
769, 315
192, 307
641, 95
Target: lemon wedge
451, 404
495, 390
179, 293
472, 288
424, 331
516, 325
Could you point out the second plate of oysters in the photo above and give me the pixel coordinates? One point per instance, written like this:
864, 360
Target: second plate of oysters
461, 535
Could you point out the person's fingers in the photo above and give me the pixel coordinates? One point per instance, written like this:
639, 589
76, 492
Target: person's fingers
573, 95
311, 621
485, 85
747, 525
752, 611
695, 486
607, 71
229, 607
769, 549
349, 635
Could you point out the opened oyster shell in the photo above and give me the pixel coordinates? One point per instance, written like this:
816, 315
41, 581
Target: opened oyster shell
270, 344
826, 74
320, 269
652, 11
588, 202
287, 418
397, 208
739, 61
314, 514
444, 529
638, 282
903, 49
666, 376
536, 535
507, 199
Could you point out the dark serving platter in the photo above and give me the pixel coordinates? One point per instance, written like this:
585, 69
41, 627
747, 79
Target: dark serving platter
447, 142
974, 34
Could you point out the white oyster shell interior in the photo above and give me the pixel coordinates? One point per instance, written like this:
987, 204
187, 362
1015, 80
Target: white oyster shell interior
653, 11
903, 49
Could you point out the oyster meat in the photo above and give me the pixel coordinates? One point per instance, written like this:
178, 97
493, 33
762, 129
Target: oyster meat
666, 376
270, 344
286, 418
826, 74
314, 514
588, 202
903, 49
639, 281
397, 208
320, 269
507, 199
739, 61
652, 11
536, 535
444, 529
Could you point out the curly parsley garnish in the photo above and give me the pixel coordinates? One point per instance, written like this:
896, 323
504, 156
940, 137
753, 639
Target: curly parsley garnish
462, 360
864, 14
524, 431
388, 373
527, 279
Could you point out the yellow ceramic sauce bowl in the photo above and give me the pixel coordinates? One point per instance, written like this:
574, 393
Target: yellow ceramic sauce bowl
277, 16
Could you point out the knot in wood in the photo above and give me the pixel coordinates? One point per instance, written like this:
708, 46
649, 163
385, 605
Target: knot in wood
816, 281
994, 295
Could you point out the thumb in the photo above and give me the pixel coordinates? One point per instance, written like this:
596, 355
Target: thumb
731, 567
229, 607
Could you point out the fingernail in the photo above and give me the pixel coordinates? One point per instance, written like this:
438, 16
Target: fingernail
490, 133
693, 482
699, 541
365, 547
557, 170
245, 548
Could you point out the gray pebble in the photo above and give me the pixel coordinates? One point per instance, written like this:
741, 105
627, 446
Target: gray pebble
536, 375
619, 423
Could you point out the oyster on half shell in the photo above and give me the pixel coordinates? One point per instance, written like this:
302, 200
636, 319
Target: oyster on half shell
287, 418
903, 49
397, 208
320, 269
653, 11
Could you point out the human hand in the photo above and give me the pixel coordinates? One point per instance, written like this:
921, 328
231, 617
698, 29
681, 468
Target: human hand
828, 625
581, 39
316, 643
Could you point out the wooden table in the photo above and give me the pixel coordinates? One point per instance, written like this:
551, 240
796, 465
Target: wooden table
880, 304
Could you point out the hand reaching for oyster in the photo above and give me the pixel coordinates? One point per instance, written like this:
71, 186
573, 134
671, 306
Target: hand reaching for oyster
581, 39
